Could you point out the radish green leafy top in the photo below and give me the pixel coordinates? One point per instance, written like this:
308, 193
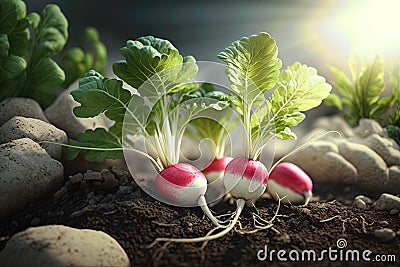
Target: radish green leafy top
253, 69
159, 111
167, 102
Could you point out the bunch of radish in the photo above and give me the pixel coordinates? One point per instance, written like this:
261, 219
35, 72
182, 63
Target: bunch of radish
253, 69
167, 102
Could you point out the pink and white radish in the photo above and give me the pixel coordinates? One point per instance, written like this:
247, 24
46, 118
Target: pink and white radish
287, 179
214, 172
183, 184
215, 169
245, 178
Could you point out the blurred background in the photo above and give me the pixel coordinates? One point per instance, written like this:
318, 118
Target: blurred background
317, 33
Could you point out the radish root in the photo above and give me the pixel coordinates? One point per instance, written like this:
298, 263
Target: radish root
240, 205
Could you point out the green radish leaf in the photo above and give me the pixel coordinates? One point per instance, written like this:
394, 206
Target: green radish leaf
94, 141
97, 95
300, 89
252, 67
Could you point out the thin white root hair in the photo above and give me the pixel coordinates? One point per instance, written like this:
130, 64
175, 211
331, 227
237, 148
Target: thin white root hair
240, 205
260, 223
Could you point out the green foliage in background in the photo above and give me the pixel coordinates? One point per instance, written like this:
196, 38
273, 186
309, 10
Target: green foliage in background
28, 46
361, 96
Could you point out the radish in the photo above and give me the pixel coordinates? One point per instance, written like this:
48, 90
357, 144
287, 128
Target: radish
245, 178
252, 69
287, 179
181, 184
215, 169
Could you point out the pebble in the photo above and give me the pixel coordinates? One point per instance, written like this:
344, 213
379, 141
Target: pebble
383, 223
359, 203
394, 211
385, 234
366, 199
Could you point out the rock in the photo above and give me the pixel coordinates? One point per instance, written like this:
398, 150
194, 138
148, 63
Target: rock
367, 200
27, 173
322, 161
394, 211
385, 234
393, 186
384, 147
334, 123
359, 203
387, 202
57, 245
20, 106
37, 130
60, 113
366, 127
383, 223
372, 171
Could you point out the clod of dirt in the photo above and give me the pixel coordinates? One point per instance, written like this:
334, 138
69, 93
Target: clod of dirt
58, 245
394, 212
385, 234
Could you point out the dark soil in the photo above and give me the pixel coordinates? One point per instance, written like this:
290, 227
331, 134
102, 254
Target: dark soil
135, 219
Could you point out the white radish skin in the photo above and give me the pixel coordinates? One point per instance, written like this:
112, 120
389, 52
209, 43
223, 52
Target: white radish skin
181, 184
214, 172
287, 179
276, 190
246, 179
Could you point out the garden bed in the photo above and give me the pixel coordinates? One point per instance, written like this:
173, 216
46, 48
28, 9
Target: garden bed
135, 219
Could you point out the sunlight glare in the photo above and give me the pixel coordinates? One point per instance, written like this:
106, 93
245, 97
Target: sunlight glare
372, 26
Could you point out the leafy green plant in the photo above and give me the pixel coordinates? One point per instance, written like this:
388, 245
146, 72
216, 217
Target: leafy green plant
27, 67
362, 95
28, 45
161, 75
77, 62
